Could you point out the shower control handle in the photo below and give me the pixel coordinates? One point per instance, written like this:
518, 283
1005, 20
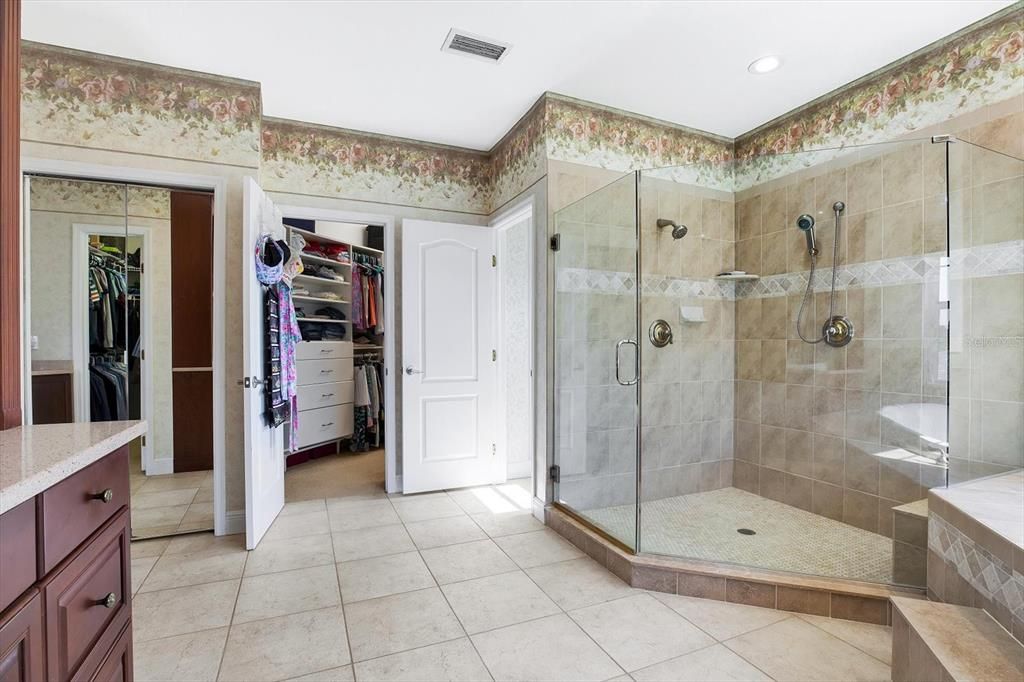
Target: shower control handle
636, 363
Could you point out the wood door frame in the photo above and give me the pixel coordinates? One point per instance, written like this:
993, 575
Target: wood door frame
392, 480
222, 524
501, 223
12, 354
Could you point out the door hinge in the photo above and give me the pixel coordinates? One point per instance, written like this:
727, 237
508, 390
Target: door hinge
143, 441
556, 242
494, 356
494, 449
142, 354
494, 261
555, 473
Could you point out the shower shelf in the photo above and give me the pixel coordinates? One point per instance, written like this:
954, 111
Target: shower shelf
737, 277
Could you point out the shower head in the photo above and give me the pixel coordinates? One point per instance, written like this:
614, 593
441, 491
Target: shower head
806, 224
678, 231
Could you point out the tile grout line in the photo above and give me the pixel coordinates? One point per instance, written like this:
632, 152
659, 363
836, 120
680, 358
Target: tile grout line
341, 596
231, 621
841, 639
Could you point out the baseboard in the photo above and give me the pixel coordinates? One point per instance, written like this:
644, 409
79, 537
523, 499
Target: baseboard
234, 522
159, 467
538, 510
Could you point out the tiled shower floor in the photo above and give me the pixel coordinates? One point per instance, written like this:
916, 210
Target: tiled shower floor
704, 526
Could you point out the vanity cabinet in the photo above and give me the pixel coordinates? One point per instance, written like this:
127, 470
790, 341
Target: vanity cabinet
66, 612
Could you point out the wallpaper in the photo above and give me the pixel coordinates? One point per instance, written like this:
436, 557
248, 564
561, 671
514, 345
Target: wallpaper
88, 100
303, 158
520, 158
981, 65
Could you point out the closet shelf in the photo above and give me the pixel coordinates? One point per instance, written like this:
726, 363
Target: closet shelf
325, 320
367, 249
319, 299
365, 346
320, 280
324, 261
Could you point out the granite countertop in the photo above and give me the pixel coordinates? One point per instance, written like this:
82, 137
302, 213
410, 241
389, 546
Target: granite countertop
995, 501
33, 458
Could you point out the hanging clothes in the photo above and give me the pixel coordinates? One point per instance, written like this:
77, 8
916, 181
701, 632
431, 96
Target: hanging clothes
357, 298
270, 260
108, 390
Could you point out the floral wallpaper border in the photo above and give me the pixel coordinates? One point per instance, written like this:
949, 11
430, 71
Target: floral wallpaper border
304, 158
89, 100
980, 65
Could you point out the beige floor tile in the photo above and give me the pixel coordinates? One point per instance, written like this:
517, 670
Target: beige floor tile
471, 500
153, 517
206, 542
204, 494
794, 649
140, 569
388, 625
497, 525
165, 482
185, 609
539, 548
497, 600
286, 646
179, 570
272, 556
552, 648
720, 619
279, 594
455, 660
303, 507
194, 657
424, 508
366, 514
370, 542
639, 631
149, 548
713, 664
875, 640
342, 674
578, 583
380, 576
167, 498
467, 561
198, 511
440, 532
298, 525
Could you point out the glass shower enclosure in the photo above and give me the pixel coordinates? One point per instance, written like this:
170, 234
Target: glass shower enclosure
694, 418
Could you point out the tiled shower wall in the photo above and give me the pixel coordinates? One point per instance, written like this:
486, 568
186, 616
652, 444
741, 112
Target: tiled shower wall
839, 431
687, 386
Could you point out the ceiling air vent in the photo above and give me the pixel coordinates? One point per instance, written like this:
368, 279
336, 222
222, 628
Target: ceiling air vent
472, 45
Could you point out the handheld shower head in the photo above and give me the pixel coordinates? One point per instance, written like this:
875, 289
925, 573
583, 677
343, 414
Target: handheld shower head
678, 231
806, 224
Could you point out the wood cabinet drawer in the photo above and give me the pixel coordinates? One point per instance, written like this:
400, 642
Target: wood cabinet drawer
323, 350
18, 557
324, 424
117, 667
21, 641
88, 603
73, 509
323, 371
325, 395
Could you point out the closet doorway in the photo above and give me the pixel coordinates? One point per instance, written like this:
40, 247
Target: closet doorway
110, 268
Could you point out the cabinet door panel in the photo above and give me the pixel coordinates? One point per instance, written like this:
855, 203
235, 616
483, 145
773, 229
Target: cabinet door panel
21, 641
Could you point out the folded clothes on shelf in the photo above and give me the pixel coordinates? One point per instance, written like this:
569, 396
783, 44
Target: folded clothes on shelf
330, 313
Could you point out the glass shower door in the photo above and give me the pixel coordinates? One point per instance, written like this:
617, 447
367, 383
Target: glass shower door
596, 383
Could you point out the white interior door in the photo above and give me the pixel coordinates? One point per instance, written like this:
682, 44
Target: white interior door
449, 386
264, 446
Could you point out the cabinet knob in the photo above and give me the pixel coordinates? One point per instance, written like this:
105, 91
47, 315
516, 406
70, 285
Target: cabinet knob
105, 496
108, 602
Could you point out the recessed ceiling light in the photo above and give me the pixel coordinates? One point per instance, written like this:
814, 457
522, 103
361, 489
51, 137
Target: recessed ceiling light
765, 64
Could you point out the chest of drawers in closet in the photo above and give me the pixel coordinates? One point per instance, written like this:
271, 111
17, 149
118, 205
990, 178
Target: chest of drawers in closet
325, 391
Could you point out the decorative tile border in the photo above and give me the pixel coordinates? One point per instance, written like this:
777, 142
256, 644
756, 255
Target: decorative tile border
982, 261
985, 572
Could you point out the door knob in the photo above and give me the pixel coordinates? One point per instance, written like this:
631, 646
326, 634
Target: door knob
410, 370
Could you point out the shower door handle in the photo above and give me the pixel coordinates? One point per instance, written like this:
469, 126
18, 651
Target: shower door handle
636, 369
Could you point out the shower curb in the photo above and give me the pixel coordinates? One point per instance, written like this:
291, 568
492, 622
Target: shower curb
832, 598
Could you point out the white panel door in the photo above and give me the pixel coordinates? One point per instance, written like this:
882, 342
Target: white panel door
264, 446
449, 386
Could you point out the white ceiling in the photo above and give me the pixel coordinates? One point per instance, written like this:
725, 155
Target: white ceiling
377, 66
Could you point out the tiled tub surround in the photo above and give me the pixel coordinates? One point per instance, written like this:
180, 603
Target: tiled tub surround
976, 547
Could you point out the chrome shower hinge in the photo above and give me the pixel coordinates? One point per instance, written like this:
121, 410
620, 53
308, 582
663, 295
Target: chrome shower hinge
943, 138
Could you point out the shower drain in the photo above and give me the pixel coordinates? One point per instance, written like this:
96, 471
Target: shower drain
746, 531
